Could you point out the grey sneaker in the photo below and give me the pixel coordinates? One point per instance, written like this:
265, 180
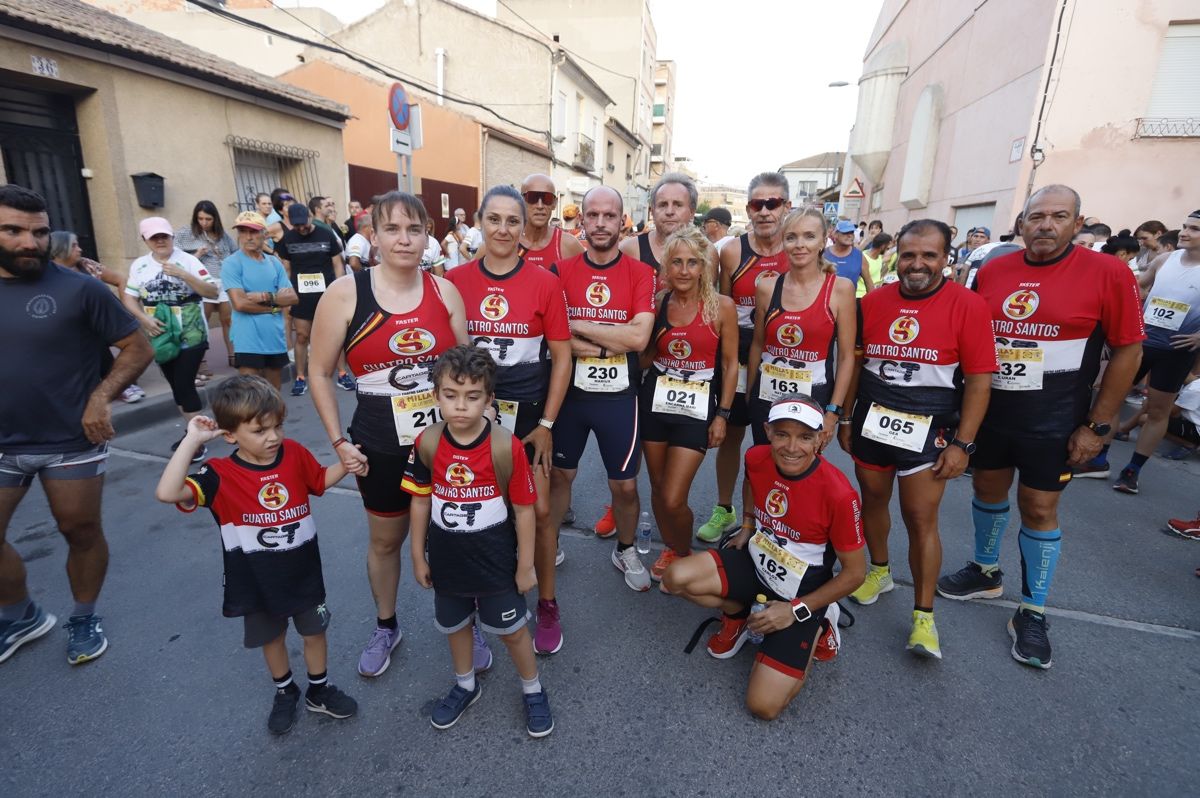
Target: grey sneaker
330, 701
627, 562
378, 654
85, 638
14, 634
481, 653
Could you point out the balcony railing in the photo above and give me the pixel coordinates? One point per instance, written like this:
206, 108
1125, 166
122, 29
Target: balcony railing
1160, 128
585, 153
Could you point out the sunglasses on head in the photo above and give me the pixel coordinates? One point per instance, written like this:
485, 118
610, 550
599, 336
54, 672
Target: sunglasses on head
547, 198
771, 204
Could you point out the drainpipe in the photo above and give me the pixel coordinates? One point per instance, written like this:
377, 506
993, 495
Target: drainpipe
440, 54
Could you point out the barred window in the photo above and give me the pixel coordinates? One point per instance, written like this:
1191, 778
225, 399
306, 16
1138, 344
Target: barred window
261, 166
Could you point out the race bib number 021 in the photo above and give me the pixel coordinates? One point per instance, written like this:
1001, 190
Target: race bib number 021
1166, 313
1020, 369
310, 283
681, 398
776, 381
412, 413
778, 569
902, 430
602, 374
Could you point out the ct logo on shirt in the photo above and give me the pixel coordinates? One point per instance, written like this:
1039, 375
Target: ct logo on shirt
598, 295
459, 475
273, 495
411, 342
904, 330
1021, 304
679, 349
776, 504
494, 307
789, 334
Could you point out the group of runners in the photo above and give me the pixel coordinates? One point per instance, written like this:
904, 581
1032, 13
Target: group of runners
661, 346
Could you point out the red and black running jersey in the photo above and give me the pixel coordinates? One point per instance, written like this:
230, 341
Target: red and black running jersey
752, 268
512, 316
472, 543
801, 339
1051, 321
609, 294
268, 536
917, 348
808, 516
544, 257
391, 355
688, 353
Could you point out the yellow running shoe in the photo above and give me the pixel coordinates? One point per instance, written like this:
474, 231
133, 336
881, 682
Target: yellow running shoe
879, 580
924, 638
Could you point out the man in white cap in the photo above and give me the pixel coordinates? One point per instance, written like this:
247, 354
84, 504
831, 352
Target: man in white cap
805, 516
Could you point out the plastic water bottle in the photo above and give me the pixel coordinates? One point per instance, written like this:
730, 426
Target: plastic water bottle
760, 604
643, 534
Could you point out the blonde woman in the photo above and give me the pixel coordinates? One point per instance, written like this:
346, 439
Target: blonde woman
798, 318
695, 332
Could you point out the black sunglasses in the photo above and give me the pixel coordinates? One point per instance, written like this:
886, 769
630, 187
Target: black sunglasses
771, 204
547, 198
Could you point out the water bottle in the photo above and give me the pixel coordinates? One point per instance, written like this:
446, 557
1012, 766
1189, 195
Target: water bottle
643, 534
760, 604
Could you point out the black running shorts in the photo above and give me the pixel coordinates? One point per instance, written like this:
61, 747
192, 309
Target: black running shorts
1041, 463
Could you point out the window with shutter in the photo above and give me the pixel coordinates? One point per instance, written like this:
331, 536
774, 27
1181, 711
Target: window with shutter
1174, 107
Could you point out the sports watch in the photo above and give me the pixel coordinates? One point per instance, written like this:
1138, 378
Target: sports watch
1100, 429
801, 611
724, 412
966, 446
832, 408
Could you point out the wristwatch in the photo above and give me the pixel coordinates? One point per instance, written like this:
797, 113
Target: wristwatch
832, 408
547, 423
966, 446
723, 412
1100, 429
801, 611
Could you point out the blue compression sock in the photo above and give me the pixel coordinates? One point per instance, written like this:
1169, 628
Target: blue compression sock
990, 522
1039, 556
1102, 458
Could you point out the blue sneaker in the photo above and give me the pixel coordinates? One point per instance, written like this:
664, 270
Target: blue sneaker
538, 721
450, 709
346, 383
85, 638
299, 386
481, 652
14, 634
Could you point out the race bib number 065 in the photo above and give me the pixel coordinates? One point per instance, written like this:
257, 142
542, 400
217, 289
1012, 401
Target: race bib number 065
891, 427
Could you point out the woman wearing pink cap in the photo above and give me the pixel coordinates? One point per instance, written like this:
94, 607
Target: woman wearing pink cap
169, 276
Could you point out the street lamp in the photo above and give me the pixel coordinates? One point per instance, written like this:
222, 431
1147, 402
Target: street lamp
837, 84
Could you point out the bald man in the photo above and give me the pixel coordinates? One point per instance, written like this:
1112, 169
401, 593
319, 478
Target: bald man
541, 244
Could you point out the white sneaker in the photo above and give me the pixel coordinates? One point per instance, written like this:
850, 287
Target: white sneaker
628, 562
560, 557
131, 395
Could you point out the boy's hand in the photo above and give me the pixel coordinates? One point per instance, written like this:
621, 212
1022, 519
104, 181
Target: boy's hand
202, 429
526, 579
421, 572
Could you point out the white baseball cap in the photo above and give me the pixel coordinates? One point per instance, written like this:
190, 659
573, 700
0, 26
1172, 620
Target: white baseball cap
790, 410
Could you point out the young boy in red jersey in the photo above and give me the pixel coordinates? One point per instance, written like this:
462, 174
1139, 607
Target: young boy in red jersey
465, 481
260, 497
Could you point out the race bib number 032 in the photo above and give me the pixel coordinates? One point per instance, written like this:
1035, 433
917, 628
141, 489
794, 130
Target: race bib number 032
412, 413
602, 374
902, 430
1020, 369
681, 398
776, 381
778, 569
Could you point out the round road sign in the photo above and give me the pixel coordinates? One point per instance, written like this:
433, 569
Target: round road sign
398, 106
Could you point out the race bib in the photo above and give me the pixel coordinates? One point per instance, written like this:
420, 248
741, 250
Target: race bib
902, 430
741, 384
412, 413
776, 381
1020, 369
681, 398
508, 415
778, 569
1166, 313
310, 283
602, 374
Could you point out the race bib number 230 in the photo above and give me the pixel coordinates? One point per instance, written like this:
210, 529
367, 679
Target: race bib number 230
602, 374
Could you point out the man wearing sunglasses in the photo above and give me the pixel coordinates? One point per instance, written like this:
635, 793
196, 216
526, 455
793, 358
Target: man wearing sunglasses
757, 255
672, 205
847, 259
541, 243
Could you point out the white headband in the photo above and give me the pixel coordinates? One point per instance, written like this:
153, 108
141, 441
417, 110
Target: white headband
796, 411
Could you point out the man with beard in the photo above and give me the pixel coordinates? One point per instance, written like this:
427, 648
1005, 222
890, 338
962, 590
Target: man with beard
926, 355
55, 421
610, 307
541, 244
672, 205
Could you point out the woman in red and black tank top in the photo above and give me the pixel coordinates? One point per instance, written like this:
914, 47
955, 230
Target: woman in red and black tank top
681, 416
803, 320
392, 322
543, 245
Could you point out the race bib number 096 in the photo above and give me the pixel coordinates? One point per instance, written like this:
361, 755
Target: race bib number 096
681, 398
891, 427
602, 374
310, 283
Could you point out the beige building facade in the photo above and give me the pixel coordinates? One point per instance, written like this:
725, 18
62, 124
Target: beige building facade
88, 100
661, 150
965, 108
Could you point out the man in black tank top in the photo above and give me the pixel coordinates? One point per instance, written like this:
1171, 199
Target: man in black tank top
672, 205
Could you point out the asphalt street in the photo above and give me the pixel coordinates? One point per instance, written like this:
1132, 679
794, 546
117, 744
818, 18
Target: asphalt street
177, 706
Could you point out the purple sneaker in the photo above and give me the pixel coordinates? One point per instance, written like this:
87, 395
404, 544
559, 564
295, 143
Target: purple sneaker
548, 636
481, 653
378, 654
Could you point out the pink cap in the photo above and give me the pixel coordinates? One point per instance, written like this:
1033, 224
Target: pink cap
155, 225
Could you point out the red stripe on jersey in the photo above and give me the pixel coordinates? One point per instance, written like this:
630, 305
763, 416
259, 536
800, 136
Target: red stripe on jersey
387, 340
805, 335
614, 293
525, 303
690, 348
750, 271
544, 257
821, 507
944, 329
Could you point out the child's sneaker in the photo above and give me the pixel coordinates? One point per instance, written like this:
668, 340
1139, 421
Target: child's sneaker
330, 700
481, 652
378, 654
453, 705
283, 711
538, 720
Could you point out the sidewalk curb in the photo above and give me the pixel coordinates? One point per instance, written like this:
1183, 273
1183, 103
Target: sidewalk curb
131, 418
